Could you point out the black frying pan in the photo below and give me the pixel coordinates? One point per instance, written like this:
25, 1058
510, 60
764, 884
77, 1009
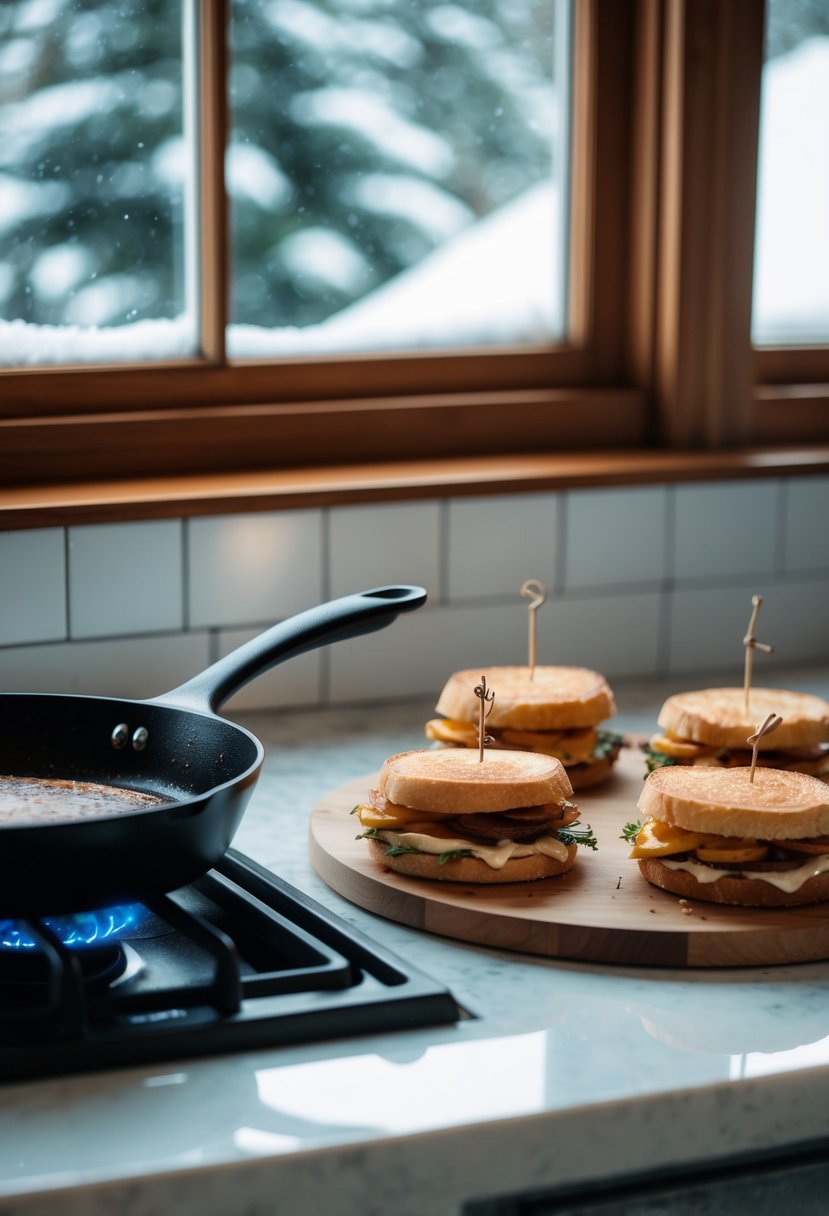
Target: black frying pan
174, 745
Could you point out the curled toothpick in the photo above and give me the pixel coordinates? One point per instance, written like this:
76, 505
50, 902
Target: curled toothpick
536, 593
486, 697
771, 723
751, 644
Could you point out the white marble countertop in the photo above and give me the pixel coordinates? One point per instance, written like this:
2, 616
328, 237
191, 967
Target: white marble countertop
566, 1072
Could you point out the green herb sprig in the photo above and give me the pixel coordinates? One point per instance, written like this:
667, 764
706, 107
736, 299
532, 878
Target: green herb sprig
399, 850
607, 742
575, 834
655, 760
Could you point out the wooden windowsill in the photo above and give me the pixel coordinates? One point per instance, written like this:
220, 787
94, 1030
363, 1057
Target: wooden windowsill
32, 506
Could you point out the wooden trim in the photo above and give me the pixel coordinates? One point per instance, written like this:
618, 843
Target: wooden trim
785, 412
250, 436
713, 60
108, 501
644, 190
213, 23
792, 365
601, 135
165, 385
610, 287
582, 175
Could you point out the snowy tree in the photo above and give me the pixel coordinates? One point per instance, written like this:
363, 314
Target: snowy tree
363, 134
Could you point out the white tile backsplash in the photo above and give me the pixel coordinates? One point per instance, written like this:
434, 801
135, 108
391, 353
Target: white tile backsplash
642, 581
390, 543
405, 659
138, 667
617, 634
708, 624
32, 586
807, 525
246, 568
416, 653
795, 620
726, 528
614, 537
297, 681
496, 544
125, 578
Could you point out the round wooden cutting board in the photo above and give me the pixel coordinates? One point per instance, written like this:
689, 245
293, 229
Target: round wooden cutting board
602, 911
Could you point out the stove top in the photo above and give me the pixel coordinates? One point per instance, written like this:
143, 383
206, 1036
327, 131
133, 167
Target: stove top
236, 961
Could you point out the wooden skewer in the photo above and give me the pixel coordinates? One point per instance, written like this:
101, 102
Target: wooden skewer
486, 697
536, 592
751, 644
771, 723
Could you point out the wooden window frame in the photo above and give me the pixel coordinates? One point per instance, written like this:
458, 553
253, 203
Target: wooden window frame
659, 358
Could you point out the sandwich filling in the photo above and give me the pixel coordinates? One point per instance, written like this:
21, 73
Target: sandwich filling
582, 745
666, 748
491, 837
785, 864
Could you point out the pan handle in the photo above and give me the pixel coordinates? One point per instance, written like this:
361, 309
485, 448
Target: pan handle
347, 617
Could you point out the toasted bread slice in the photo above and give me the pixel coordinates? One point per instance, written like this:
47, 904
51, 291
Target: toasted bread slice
777, 805
718, 717
734, 888
454, 781
471, 869
556, 698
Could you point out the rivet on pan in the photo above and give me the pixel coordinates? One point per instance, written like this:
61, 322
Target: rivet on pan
139, 738
119, 736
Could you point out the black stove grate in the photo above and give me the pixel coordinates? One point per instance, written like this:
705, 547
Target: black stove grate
237, 961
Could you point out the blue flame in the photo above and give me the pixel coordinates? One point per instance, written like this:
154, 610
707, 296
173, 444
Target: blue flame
80, 930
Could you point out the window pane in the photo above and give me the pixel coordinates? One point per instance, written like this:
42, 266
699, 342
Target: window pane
93, 182
791, 275
397, 172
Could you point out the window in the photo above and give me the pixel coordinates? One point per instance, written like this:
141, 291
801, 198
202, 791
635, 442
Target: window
642, 337
790, 315
397, 178
96, 260
397, 175
791, 287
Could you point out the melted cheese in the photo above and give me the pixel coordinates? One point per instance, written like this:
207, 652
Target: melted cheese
495, 855
784, 880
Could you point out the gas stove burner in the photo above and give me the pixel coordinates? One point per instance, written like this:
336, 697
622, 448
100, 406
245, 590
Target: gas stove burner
29, 969
237, 960
79, 931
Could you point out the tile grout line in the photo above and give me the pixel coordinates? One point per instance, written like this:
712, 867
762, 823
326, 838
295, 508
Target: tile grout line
66, 596
324, 677
443, 552
666, 598
782, 519
185, 575
563, 509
